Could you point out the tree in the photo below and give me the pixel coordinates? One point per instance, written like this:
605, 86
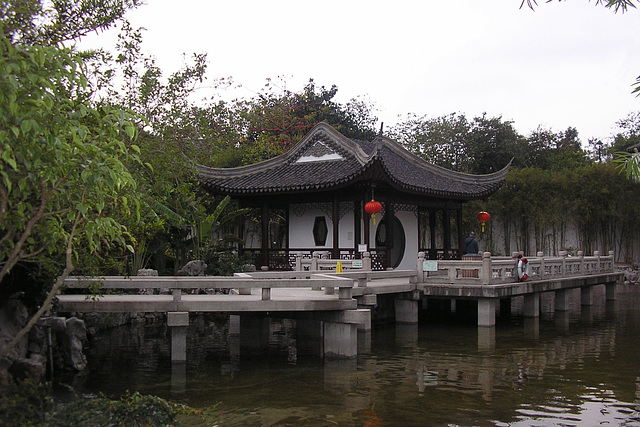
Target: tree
275, 119
442, 141
34, 22
492, 144
64, 180
616, 5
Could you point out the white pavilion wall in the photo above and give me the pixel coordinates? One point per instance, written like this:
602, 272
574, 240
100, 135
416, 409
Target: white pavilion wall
409, 221
302, 218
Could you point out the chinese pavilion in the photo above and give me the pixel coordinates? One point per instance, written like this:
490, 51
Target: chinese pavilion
313, 197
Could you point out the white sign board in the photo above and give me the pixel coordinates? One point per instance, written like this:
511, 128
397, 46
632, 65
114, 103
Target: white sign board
429, 265
356, 263
362, 248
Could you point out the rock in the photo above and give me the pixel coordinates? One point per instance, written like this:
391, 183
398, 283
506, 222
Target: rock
75, 336
193, 268
13, 317
5, 364
147, 272
32, 368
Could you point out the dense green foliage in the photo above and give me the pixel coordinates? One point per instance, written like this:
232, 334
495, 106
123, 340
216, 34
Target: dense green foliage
539, 204
27, 404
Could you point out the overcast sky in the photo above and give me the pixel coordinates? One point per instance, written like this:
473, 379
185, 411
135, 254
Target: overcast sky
566, 64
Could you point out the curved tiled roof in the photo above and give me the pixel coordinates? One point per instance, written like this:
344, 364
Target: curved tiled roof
326, 159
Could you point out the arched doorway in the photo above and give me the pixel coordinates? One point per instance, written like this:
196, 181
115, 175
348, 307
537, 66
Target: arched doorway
396, 244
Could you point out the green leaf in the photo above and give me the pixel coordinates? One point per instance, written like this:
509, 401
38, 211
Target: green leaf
25, 126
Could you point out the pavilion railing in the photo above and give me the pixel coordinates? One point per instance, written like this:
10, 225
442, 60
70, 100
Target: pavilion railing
285, 259
490, 270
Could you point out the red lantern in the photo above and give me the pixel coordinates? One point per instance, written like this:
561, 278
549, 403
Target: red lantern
483, 217
373, 208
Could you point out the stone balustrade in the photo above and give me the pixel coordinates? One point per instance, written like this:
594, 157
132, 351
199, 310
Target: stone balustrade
500, 270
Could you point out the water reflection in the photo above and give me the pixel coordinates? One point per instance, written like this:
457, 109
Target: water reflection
577, 367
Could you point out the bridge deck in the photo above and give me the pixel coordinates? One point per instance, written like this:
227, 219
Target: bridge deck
506, 290
291, 299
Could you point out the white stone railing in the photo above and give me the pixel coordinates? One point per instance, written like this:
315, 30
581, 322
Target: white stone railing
241, 281
316, 263
498, 270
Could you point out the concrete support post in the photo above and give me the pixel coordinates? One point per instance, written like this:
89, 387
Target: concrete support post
505, 307
314, 266
406, 311
419, 267
309, 338
254, 333
598, 266
610, 291
561, 300
243, 291
540, 256
564, 254
234, 325
532, 305
581, 256
486, 311
340, 340
365, 315
178, 321
366, 261
586, 295
486, 268
299, 261
613, 262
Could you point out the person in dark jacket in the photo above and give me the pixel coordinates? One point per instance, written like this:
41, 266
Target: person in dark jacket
470, 245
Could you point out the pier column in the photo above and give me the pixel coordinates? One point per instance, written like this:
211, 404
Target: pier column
505, 308
178, 321
586, 295
254, 333
561, 300
486, 312
309, 337
340, 340
610, 291
532, 305
406, 311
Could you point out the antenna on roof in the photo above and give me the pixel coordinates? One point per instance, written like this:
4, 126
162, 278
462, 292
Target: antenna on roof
381, 127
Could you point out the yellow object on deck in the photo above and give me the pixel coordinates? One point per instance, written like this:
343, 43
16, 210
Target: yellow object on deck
339, 267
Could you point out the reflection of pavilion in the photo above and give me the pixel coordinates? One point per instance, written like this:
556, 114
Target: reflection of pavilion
312, 199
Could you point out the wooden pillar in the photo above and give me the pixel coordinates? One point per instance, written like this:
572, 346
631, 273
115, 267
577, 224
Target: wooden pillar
433, 254
335, 214
366, 221
357, 229
286, 225
461, 235
265, 234
446, 219
389, 214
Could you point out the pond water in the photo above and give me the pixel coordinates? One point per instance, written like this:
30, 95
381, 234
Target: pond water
581, 368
